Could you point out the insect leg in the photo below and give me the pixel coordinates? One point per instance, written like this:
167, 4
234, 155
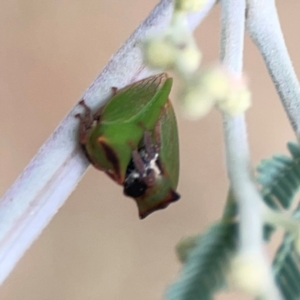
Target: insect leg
150, 148
147, 175
86, 121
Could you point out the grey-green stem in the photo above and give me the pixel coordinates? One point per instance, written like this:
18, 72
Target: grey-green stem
264, 29
237, 149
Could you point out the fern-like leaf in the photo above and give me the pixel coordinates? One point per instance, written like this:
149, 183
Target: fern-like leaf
280, 179
204, 272
286, 268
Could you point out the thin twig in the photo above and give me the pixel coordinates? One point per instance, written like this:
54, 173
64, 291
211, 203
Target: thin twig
264, 28
44, 185
236, 142
237, 149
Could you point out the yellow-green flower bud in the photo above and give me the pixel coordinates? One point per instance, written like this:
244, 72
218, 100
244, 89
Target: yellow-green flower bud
236, 102
188, 60
249, 273
196, 103
159, 53
189, 5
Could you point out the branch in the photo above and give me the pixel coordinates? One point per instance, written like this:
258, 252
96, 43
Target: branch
51, 176
238, 164
264, 28
236, 142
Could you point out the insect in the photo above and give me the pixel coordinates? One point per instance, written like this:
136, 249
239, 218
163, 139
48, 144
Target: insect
142, 170
134, 140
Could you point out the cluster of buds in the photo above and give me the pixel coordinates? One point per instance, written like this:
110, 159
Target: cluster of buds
175, 49
215, 86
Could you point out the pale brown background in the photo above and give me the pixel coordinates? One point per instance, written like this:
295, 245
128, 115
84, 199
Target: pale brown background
96, 247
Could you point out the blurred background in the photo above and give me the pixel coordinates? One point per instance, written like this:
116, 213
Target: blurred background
96, 247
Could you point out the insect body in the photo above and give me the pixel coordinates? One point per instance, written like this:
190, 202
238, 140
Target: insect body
131, 139
141, 174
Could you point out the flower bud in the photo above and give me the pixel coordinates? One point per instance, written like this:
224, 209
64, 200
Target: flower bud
189, 5
159, 53
249, 273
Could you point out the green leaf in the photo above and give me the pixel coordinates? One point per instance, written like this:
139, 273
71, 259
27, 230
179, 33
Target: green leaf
286, 268
280, 179
204, 271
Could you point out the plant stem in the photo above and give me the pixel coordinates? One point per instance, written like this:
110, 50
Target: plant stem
236, 142
264, 28
237, 149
